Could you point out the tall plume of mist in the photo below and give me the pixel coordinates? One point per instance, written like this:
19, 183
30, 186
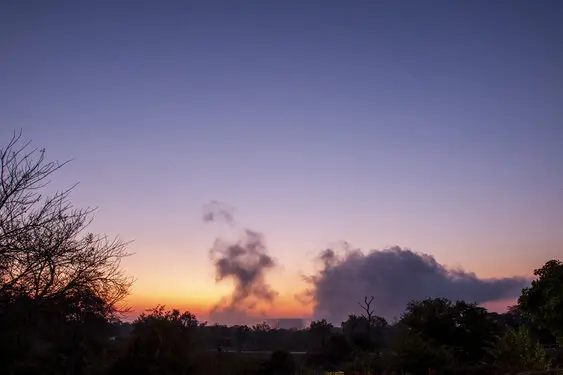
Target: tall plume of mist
395, 277
246, 263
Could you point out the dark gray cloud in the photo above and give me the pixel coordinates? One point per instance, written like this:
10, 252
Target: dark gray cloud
394, 277
245, 263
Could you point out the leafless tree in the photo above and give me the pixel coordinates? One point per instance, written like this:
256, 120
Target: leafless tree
45, 250
369, 313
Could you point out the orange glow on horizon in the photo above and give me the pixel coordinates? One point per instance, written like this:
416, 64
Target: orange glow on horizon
285, 306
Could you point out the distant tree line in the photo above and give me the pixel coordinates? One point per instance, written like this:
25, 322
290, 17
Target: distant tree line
61, 290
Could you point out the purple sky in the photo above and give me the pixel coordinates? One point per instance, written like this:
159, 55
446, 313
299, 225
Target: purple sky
433, 125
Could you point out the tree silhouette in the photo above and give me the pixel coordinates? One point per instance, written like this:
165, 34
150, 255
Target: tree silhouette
320, 331
517, 350
163, 342
542, 302
43, 251
356, 329
242, 334
59, 287
465, 328
369, 312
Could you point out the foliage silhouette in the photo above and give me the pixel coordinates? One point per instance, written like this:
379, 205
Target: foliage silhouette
542, 302
466, 329
162, 342
516, 350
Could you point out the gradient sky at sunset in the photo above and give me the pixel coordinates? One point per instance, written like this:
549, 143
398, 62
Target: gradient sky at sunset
434, 125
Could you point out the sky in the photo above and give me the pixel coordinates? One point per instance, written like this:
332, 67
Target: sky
435, 126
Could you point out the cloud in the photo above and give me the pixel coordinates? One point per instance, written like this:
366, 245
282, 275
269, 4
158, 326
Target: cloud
218, 211
246, 264
394, 277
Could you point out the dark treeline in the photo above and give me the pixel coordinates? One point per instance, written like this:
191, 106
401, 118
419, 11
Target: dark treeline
434, 333
61, 289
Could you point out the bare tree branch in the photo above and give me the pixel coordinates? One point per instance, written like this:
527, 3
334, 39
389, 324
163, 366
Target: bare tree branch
45, 251
369, 313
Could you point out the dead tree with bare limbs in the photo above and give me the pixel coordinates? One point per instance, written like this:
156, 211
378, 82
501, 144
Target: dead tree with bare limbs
368, 314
